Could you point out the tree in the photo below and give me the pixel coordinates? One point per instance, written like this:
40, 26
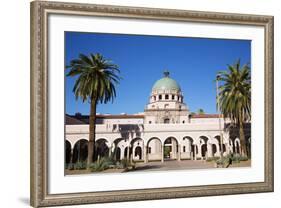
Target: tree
235, 97
96, 81
200, 111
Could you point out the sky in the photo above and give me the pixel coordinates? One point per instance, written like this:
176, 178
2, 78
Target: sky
192, 62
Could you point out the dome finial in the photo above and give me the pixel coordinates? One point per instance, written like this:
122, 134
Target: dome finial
166, 73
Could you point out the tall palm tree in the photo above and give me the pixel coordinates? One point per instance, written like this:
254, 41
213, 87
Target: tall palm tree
235, 97
200, 111
97, 78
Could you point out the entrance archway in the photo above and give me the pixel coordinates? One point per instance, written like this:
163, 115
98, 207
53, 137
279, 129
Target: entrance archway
138, 152
187, 148
214, 149
118, 153
204, 146
80, 151
154, 149
137, 146
171, 148
102, 149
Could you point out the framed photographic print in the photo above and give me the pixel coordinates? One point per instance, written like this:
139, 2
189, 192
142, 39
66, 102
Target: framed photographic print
142, 103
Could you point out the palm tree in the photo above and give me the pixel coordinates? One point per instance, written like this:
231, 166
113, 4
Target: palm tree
235, 97
96, 82
200, 111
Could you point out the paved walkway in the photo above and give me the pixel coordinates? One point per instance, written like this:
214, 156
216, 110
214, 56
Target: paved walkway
174, 165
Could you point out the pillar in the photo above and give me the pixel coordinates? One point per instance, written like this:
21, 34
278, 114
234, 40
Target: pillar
162, 153
133, 152
195, 152
122, 153
199, 151
71, 156
145, 154
209, 150
179, 152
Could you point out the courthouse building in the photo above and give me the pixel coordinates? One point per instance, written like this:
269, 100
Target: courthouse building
166, 130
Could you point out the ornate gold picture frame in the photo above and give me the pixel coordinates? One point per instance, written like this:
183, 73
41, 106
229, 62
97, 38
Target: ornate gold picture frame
40, 89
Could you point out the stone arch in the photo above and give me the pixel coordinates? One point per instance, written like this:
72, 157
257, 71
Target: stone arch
171, 148
188, 148
102, 148
126, 152
118, 151
217, 138
153, 149
138, 152
117, 155
137, 147
80, 151
204, 147
237, 146
214, 150
67, 151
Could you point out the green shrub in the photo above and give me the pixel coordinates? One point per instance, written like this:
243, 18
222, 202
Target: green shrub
125, 163
79, 165
238, 158
224, 161
102, 164
210, 159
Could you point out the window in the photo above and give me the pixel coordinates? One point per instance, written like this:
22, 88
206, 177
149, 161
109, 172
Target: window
166, 120
154, 97
160, 97
183, 122
166, 97
149, 122
173, 97
149, 149
183, 148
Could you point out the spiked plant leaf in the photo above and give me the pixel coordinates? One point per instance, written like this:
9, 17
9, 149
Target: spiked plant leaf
235, 96
97, 78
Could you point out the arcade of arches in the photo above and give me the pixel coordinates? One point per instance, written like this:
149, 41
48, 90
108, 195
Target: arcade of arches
153, 149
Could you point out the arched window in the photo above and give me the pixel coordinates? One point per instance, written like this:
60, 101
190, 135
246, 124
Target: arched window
166, 97
183, 148
173, 97
160, 97
166, 120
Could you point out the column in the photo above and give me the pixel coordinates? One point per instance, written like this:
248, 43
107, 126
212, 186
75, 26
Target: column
122, 153
71, 158
170, 96
110, 151
209, 149
218, 150
145, 154
162, 153
179, 152
199, 151
133, 152
195, 152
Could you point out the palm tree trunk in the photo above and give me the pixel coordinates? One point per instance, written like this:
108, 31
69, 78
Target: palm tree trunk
242, 140
92, 132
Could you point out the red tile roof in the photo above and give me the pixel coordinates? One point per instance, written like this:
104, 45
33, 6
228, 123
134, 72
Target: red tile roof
205, 116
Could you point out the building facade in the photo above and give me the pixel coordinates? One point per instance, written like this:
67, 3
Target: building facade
166, 130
